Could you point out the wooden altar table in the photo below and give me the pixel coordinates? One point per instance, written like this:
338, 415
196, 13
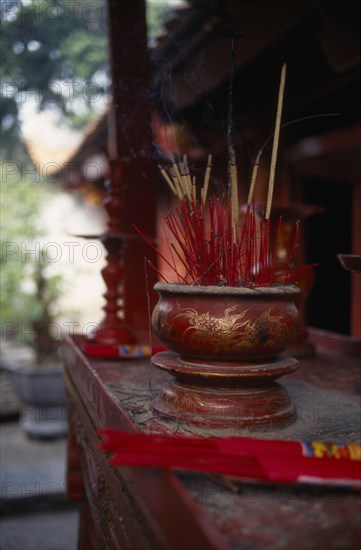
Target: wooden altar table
147, 508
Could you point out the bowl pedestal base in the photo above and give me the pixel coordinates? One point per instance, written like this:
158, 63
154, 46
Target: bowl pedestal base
226, 394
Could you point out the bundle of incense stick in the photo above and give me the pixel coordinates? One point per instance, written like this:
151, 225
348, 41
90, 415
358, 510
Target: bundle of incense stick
211, 245
209, 248
248, 459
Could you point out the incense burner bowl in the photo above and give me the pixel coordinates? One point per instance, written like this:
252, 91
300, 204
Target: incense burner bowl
226, 323
225, 353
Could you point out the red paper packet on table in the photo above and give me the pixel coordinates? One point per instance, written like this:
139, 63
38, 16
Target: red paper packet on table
248, 459
121, 351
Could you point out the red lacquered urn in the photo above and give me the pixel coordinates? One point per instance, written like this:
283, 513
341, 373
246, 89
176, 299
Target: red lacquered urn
225, 347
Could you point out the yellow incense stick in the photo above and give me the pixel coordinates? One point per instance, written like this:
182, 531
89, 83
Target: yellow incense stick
207, 175
234, 190
180, 179
167, 179
275, 142
176, 184
254, 178
186, 183
187, 172
194, 189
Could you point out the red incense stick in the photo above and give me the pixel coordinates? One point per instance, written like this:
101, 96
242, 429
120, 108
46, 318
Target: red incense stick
246, 458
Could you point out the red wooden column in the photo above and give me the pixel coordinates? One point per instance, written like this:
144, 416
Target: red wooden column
133, 170
356, 249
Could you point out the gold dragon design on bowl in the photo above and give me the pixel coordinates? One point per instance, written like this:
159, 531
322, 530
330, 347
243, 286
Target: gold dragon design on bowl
230, 331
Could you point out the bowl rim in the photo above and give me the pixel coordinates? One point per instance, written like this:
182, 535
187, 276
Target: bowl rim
351, 262
273, 290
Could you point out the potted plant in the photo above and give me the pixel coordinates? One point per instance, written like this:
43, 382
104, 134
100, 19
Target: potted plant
30, 357
29, 338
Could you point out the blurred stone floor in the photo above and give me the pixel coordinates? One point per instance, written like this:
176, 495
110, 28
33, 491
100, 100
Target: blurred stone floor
34, 512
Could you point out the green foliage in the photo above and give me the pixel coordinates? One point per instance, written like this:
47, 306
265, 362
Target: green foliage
28, 293
55, 53
84, 55
156, 13
21, 199
50, 50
